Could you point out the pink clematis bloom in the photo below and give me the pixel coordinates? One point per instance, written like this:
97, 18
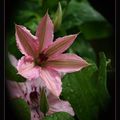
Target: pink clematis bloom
30, 92
44, 58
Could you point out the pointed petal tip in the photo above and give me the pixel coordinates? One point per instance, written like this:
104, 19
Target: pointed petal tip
75, 35
86, 64
78, 33
47, 11
17, 26
47, 14
45, 32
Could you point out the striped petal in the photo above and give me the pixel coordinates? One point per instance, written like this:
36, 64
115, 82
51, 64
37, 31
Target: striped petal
27, 68
45, 32
26, 42
60, 45
52, 80
57, 105
67, 63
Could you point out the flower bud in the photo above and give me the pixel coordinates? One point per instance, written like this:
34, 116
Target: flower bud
58, 17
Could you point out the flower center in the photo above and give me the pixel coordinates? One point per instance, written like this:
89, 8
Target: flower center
34, 97
41, 60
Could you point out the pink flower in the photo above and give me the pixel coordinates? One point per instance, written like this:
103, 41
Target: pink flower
44, 58
30, 92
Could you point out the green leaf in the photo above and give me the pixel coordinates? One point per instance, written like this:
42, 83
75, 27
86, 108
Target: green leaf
102, 78
59, 116
83, 48
21, 109
86, 90
84, 17
24, 16
32, 24
47, 4
12, 47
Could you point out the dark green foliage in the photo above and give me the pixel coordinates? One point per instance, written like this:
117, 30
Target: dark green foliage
59, 116
86, 90
21, 109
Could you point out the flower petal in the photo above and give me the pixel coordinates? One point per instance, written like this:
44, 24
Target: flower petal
19, 90
45, 32
15, 90
52, 80
60, 45
27, 68
26, 42
36, 114
66, 63
13, 60
57, 105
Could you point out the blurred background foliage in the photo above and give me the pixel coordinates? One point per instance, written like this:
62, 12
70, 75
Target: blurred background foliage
87, 90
